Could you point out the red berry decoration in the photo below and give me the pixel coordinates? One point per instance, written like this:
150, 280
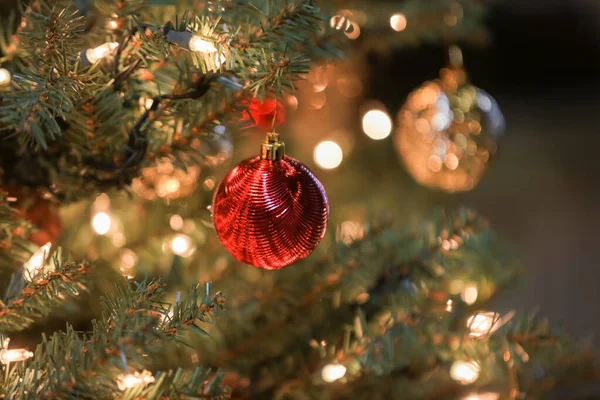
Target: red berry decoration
262, 113
270, 211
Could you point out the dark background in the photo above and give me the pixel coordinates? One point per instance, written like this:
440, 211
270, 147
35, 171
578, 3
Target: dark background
543, 189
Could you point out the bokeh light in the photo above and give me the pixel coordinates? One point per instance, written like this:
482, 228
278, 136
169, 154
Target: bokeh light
469, 294
328, 154
333, 372
4, 76
465, 372
398, 22
101, 223
377, 124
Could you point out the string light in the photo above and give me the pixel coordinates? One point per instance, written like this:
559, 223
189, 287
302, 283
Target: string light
398, 22
198, 44
127, 381
4, 76
333, 372
328, 155
449, 306
36, 262
469, 294
14, 355
377, 124
182, 245
465, 372
482, 323
101, 223
97, 53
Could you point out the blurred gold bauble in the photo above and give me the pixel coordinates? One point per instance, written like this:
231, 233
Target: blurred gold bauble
447, 132
197, 161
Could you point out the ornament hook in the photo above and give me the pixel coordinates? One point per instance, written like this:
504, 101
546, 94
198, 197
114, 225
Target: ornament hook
272, 149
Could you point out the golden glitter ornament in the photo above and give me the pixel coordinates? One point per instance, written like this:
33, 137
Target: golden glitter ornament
448, 131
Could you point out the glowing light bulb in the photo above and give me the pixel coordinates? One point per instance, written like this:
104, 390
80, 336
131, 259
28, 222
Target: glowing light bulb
449, 306
377, 124
469, 294
101, 223
4, 76
201, 45
15, 355
333, 372
36, 262
465, 372
182, 245
483, 323
328, 155
112, 24
127, 381
482, 396
398, 22
95, 54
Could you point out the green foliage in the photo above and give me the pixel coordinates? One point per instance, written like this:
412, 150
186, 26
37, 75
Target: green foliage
135, 327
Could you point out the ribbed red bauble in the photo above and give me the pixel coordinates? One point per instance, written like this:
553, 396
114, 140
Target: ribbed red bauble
262, 113
270, 211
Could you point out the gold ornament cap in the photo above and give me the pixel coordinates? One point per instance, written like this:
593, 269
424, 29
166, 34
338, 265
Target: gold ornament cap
272, 149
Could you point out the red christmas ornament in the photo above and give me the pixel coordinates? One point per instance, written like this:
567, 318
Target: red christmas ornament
270, 211
263, 113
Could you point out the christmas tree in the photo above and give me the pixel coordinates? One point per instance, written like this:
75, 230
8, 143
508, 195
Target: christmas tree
139, 259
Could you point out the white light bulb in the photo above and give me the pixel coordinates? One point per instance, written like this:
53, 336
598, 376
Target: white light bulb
8, 356
333, 372
36, 262
201, 45
377, 124
484, 323
328, 155
465, 372
101, 223
4, 76
95, 54
128, 381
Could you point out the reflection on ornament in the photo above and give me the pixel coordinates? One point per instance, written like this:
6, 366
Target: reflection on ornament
182, 245
447, 132
341, 23
398, 22
128, 381
35, 265
469, 294
465, 372
328, 155
4, 76
377, 124
270, 211
166, 181
101, 222
333, 372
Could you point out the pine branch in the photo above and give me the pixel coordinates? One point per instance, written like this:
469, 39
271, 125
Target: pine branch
135, 324
39, 298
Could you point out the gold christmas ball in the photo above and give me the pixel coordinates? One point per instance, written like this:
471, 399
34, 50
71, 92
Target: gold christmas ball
447, 132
